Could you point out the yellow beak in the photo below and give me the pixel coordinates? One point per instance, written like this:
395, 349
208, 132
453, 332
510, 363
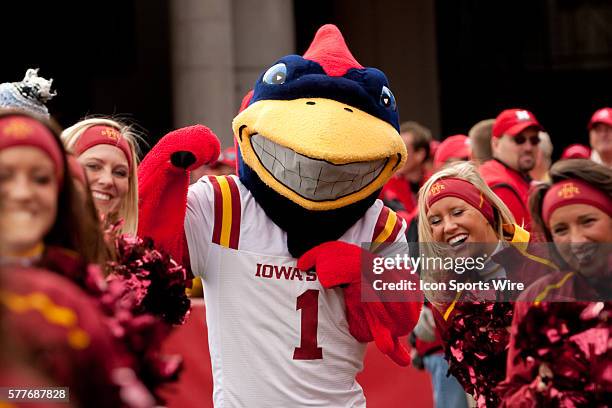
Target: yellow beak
306, 148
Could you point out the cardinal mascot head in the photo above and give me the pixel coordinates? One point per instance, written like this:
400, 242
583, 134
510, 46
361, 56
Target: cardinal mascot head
318, 138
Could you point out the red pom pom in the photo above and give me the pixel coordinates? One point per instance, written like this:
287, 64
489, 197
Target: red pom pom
578, 353
476, 348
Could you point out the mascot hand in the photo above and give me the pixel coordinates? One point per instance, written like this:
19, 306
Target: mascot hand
163, 181
186, 148
339, 264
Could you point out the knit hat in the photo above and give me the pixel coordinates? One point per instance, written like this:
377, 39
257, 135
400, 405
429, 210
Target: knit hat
31, 94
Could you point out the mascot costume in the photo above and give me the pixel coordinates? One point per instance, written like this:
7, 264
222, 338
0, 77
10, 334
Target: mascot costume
277, 247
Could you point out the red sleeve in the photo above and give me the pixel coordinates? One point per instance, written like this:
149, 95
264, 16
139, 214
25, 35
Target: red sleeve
514, 204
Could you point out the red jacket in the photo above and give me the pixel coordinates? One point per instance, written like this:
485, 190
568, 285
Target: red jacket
511, 186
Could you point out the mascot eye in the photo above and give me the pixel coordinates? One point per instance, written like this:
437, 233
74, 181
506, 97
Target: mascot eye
387, 99
276, 75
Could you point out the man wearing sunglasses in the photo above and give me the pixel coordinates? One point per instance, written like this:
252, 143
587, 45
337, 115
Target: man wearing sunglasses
515, 146
600, 136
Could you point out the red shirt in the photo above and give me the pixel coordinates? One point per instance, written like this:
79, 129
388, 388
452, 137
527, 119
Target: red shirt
511, 187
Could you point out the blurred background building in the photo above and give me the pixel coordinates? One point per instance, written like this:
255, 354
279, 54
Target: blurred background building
170, 63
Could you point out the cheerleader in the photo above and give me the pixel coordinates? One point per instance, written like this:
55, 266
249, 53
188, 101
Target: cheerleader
40, 209
148, 280
559, 353
109, 152
460, 217
48, 283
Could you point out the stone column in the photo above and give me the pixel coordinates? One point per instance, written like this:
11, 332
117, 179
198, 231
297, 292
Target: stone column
219, 48
203, 65
263, 32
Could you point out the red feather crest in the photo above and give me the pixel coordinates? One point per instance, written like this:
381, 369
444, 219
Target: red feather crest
330, 50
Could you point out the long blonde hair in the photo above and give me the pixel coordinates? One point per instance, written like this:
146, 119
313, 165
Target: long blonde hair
129, 207
465, 171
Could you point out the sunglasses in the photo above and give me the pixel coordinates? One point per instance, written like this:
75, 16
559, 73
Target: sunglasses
520, 139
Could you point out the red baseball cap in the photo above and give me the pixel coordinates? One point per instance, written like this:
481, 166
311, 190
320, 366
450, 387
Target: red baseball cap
227, 157
603, 115
457, 146
576, 151
514, 121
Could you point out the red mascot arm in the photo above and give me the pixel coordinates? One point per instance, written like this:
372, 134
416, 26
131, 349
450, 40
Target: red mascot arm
163, 180
340, 264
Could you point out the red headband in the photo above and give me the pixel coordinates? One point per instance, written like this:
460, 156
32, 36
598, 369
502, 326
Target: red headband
17, 130
455, 187
102, 134
574, 191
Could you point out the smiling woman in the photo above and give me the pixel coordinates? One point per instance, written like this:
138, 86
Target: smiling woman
574, 212
48, 284
39, 205
460, 216
108, 151
31, 210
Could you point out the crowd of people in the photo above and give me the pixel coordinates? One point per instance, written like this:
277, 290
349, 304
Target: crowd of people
86, 301
499, 185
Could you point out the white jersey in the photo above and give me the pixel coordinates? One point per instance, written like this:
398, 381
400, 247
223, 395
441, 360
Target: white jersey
277, 337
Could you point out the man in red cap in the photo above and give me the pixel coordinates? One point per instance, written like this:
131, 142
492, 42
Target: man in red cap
600, 136
515, 146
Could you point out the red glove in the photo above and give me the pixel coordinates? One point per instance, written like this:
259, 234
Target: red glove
340, 264
163, 180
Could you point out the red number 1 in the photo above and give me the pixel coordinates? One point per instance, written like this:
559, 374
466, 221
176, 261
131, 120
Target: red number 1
308, 302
